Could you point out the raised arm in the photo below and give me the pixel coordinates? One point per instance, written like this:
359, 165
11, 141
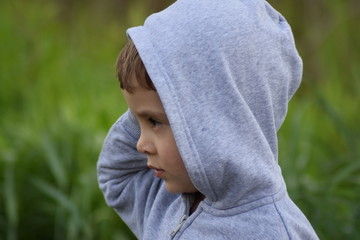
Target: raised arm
127, 183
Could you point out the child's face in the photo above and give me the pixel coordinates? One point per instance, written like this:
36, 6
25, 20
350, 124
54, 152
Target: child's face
157, 140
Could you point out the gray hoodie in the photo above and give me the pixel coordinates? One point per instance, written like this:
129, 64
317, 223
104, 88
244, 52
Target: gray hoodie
225, 72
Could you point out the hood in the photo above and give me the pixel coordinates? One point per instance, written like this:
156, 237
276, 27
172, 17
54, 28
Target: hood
224, 71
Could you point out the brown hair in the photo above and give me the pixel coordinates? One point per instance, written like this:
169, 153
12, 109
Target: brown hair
129, 63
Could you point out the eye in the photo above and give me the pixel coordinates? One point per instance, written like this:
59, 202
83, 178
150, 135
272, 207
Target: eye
153, 122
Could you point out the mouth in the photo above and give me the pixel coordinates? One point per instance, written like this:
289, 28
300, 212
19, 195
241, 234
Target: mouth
157, 171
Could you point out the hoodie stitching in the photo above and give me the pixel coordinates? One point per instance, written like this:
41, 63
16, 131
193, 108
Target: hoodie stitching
282, 219
277, 196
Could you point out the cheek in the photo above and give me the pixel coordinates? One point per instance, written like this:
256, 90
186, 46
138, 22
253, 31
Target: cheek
172, 156
172, 153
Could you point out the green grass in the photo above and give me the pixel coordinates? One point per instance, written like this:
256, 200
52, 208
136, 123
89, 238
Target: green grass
59, 97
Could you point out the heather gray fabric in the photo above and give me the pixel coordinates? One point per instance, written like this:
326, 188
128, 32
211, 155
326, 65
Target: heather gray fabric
225, 71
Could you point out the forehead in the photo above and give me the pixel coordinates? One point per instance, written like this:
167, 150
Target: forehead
143, 102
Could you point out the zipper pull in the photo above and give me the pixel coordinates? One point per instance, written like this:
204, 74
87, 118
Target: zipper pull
182, 220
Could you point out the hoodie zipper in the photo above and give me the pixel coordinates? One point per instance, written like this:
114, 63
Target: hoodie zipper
181, 223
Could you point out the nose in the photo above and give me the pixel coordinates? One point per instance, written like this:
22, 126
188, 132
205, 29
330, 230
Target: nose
144, 145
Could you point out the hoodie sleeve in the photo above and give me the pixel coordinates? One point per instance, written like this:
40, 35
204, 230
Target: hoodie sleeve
127, 183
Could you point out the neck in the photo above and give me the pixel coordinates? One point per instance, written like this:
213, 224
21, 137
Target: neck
198, 197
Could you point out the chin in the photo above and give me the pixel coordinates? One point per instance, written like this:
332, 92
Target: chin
173, 190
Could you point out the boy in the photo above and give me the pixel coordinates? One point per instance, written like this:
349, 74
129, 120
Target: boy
195, 156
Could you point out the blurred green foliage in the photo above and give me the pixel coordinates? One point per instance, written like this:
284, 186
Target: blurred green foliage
59, 96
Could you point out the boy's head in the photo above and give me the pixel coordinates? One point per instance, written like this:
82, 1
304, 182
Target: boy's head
156, 140
225, 78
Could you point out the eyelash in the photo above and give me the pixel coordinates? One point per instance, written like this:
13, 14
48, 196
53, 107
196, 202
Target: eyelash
153, 122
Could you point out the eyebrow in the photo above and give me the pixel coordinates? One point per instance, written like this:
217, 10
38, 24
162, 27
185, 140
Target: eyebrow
147, 113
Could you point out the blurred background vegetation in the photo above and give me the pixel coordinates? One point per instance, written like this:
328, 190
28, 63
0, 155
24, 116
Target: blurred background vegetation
59, 96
